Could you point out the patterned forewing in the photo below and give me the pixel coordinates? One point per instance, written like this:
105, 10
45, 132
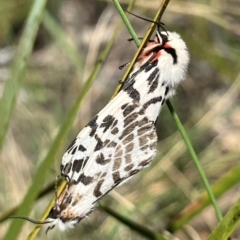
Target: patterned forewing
99, 142
113, 162
120, 140
121, 157
117, 143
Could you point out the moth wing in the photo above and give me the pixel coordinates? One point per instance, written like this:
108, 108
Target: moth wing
107, 128
117, 155
83, 146
113, 164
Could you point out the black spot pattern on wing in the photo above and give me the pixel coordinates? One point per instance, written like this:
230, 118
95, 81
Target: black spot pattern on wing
115, 123
128, 130
105, 143
118, 152
129, 147
104, 175
133, 172
152, 101
93, 125
153, 80
102, 160
129, 109
124, 106
152, 75
166, 91
112, 144
150, 65
117, 163
144, 163
154, 84
85, 161
74, 150
143, 121
61, 167
86, 180
115, 131
130, 118
107, 122
81, 148
128, 167
97, 193
99, 143
77, 165
65, 169
132, 92
71, 145
116, 177
128, 158
129, 138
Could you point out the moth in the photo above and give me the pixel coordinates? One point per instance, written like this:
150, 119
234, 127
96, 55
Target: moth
121, 139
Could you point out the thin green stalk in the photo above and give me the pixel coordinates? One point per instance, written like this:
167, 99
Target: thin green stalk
195, 159
46, 164
74, 110
174, 114
19, 65
126, 22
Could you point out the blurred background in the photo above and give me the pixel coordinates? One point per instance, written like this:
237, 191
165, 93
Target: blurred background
207, 103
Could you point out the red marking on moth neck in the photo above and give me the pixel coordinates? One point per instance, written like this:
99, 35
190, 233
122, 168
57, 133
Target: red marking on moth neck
166, 45
157, 56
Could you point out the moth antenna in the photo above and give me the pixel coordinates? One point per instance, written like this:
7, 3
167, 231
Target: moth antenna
31, 220
146, 19
123, 65
131, 39
159, 23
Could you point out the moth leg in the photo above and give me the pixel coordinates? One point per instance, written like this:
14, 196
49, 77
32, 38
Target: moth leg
124, 65
49, 228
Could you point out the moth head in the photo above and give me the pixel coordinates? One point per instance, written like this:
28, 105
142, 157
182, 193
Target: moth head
174, 57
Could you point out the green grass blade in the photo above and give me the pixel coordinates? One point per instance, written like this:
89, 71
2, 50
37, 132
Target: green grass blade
19, 65
46, 164
176, 118
93, 75
229, 223
196, 160
126, 22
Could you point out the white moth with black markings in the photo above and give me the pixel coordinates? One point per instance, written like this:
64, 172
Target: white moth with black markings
121, 139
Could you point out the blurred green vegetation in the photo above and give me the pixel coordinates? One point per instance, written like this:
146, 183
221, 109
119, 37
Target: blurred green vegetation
207, 103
